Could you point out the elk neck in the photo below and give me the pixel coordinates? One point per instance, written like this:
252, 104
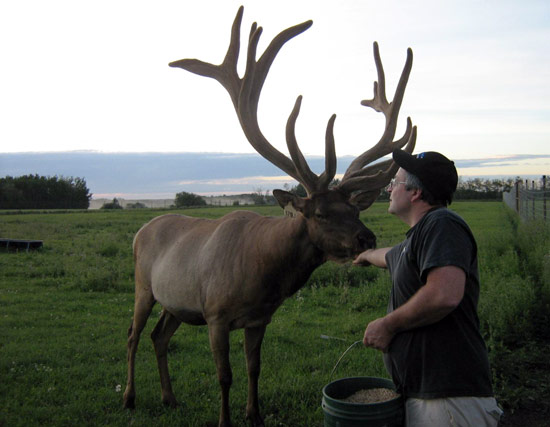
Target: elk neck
290, 254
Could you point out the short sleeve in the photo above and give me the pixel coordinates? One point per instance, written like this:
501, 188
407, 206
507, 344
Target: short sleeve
446, 242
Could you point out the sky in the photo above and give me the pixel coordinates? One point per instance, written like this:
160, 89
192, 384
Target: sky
93, 76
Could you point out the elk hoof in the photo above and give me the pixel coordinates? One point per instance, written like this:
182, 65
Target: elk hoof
255, 420
129, 403
170, 401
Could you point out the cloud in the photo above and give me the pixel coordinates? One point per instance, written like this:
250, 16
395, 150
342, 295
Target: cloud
505, 160
239, 181
517, 165
162, 175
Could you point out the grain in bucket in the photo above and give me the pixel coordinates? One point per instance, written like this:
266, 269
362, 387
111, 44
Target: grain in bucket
341, 411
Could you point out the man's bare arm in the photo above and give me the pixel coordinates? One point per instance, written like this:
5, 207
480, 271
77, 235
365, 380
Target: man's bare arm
375, 257
443, 291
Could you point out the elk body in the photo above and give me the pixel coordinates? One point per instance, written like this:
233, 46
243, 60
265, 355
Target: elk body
234, 272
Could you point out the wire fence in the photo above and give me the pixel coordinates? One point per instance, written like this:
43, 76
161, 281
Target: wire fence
530, 199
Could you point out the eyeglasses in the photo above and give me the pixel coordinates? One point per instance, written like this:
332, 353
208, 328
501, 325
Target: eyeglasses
393, 183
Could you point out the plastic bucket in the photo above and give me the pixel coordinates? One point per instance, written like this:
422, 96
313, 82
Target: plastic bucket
339, 413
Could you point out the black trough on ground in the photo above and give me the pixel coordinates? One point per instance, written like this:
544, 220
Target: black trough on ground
20, 244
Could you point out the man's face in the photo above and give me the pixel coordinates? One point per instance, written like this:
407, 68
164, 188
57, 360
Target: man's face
400, 201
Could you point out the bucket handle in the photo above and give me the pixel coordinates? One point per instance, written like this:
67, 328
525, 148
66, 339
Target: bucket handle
342, 356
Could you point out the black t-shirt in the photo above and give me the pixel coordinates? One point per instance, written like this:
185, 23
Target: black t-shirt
447, 358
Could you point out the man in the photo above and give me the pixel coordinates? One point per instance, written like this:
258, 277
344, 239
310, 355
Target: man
430, 336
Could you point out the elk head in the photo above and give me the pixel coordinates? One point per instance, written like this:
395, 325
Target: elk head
331, 214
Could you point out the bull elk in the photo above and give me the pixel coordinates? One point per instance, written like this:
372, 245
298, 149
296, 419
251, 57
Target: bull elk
234, 272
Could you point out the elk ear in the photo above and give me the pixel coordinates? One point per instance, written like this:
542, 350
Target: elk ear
285, 198
364, 199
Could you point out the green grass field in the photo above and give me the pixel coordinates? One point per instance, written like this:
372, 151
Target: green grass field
65, 311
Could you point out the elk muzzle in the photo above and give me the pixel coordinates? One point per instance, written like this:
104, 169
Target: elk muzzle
349, 246
365, 239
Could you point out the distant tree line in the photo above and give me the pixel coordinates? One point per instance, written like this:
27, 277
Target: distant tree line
185, 199
489, 189
261, 197
41, 192
471, 189
115, 204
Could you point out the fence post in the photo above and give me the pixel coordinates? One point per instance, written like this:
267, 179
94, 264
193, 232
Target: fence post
516, 186
544, 197
533, 198
526, 198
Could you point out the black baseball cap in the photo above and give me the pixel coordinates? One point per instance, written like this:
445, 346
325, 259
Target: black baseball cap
435, 171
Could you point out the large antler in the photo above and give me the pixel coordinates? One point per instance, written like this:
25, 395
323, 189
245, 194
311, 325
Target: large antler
377, 176
245, 94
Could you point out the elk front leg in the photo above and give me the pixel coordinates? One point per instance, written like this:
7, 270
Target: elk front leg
219, 343
161, 335
252, 343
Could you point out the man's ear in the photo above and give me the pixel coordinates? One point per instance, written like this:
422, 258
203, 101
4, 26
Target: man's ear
416, 194
284, 198
364, 199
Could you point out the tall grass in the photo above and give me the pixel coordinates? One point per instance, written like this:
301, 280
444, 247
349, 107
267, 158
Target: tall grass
65, 310
515, 309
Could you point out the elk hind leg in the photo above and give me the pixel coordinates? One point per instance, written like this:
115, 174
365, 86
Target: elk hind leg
219, 344
161, 335
253, 338
143, 305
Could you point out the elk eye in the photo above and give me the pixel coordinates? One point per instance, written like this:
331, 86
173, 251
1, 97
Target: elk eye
320, 215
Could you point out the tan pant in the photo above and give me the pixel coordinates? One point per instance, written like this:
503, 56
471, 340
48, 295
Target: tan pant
452, 412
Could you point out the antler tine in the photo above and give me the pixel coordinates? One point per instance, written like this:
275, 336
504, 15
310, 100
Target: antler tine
307, 177
257, 71
330, 155
255, 75
391, 112
225, 73
311, 182
245, 95
387, 149
247, 104
378, 175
